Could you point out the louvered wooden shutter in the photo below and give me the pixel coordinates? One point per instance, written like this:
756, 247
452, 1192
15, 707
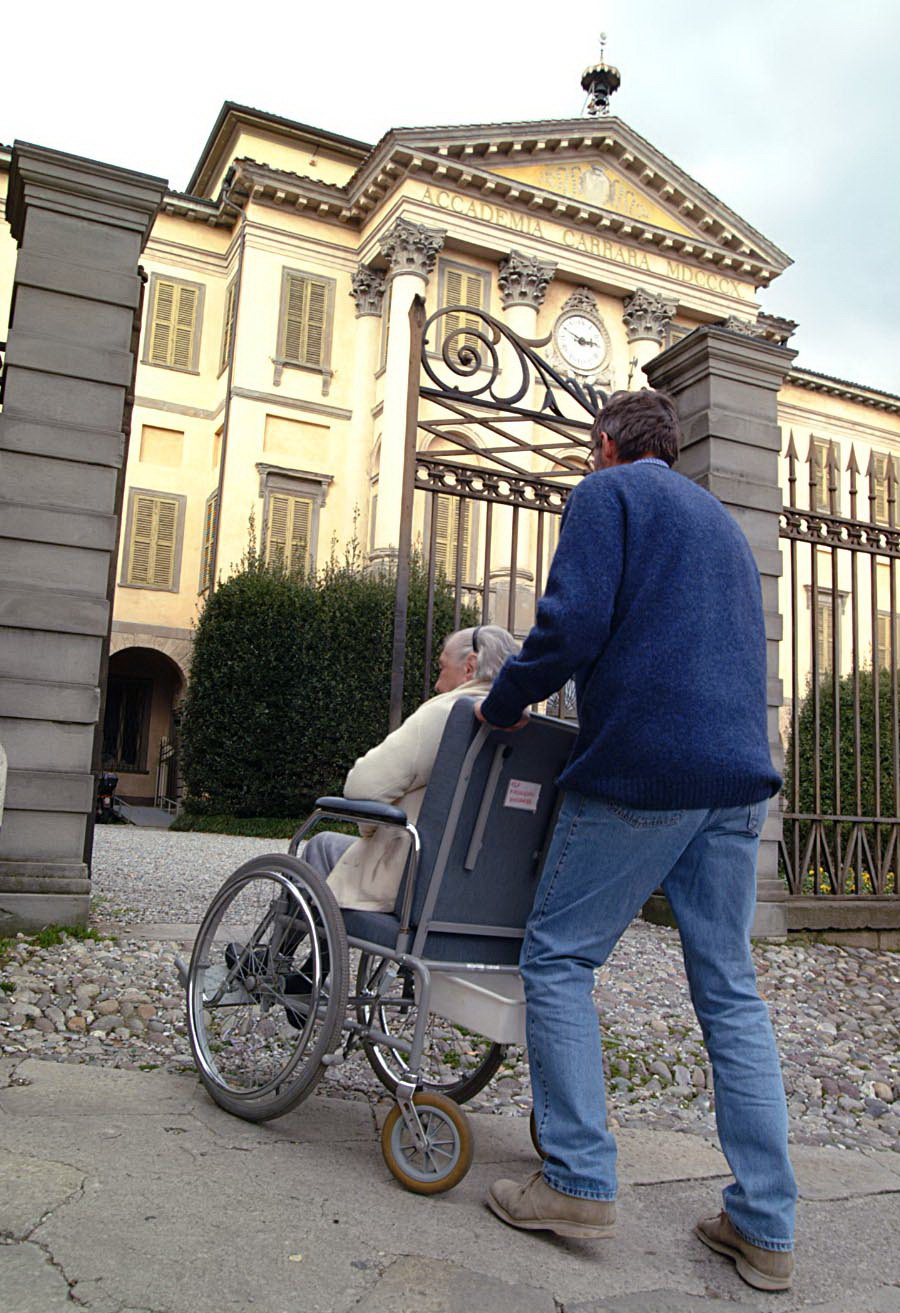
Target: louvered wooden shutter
301, 523
153, 532
277, 528
174, 324
315, 323
209, 535
462, 288
228, 325
881, 491
305, 311
448, 512
289, 530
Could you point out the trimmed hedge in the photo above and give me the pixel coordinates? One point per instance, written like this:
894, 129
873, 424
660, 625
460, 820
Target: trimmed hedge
807, 746
290, 682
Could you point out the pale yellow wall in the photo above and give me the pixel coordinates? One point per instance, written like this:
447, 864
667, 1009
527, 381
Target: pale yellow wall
302, 158
805, 415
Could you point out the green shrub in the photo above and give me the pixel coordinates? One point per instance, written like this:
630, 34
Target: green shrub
290, 682
804, 759
253, 827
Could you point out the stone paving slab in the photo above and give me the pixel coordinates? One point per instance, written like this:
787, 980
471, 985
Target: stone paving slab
146, 1196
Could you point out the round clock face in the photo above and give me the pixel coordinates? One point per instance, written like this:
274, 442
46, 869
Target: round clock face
580, 342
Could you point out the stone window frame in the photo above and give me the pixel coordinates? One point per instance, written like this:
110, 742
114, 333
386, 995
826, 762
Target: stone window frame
279, 361
305, 484
181, 500
155, 280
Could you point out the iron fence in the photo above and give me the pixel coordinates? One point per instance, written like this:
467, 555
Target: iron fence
841, 800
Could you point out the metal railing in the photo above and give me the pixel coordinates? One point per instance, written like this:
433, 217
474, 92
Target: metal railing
841, 797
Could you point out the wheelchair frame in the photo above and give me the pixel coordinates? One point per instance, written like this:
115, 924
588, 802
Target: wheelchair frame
422, 1121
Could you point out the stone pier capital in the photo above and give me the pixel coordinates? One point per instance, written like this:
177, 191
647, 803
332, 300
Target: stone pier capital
411, 248
524, 279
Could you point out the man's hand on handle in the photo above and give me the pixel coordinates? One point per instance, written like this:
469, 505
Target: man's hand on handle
507, 729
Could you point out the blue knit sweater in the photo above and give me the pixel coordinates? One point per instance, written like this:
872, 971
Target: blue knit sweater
653, 604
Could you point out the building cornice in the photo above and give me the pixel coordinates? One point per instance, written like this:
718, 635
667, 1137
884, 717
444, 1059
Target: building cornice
366, 192
847, 391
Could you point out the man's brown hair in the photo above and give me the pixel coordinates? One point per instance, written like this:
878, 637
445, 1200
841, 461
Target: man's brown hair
640, 424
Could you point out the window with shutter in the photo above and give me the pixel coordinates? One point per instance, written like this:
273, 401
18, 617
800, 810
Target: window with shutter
153, 531
881, 511
228, 325
210, 519
289, 530
304, 332
464, 287
174, 323
451, 513
821, 496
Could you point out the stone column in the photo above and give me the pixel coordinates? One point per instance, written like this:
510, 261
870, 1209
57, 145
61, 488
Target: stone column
80, 227
411, 250
725, 385
646, 317
523, 281
368, 295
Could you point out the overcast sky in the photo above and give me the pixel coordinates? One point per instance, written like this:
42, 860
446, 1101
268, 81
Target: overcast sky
788, 110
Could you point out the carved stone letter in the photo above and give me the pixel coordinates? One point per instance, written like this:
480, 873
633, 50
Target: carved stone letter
412, 248
368, 290
524, 279
646, 316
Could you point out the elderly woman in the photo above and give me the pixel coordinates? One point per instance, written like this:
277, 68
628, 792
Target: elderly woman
365, 873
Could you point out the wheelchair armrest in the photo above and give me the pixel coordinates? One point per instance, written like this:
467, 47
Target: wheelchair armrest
358, 809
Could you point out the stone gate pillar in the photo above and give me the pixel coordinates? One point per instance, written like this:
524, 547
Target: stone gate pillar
80, 227
725, 385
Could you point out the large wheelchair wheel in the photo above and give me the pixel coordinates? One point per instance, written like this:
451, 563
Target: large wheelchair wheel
267, 987
446, 1155
455, 1062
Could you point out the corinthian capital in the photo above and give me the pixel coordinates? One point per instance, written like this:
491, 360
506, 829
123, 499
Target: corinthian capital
412, 248
647, 315
368, 290
524, 279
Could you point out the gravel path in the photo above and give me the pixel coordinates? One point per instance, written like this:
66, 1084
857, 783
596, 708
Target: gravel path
118, 1002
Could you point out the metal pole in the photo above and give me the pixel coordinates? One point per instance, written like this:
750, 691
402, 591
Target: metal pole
408, 487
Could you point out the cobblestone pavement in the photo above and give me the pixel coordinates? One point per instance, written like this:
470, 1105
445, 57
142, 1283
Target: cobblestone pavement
117, 1002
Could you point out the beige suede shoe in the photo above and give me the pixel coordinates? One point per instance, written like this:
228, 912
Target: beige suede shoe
533, 1205
766, 1269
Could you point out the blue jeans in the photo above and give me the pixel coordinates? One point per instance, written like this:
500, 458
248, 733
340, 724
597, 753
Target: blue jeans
603, 863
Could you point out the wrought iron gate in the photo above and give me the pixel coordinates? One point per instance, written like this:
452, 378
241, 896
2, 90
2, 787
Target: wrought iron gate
499, 439
841, 654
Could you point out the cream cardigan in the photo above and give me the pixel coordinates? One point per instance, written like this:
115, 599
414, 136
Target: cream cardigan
367, 876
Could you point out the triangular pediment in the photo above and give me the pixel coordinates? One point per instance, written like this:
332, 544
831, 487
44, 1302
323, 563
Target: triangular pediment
603, 164
594, 181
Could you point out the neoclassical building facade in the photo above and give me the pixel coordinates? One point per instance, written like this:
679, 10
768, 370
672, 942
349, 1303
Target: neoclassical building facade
272, 380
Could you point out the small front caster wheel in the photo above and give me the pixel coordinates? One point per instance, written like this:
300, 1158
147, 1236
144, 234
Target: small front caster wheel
445, 1157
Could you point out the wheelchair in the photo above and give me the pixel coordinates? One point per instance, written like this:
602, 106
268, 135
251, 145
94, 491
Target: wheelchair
270, 1004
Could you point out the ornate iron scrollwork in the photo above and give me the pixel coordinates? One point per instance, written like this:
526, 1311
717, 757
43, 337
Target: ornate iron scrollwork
470, 352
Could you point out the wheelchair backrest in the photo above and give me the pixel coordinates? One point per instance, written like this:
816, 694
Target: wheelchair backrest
484, 838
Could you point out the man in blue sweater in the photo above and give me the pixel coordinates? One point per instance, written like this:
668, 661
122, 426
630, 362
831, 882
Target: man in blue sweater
653, 605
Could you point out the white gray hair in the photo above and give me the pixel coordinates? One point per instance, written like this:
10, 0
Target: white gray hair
490, 643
